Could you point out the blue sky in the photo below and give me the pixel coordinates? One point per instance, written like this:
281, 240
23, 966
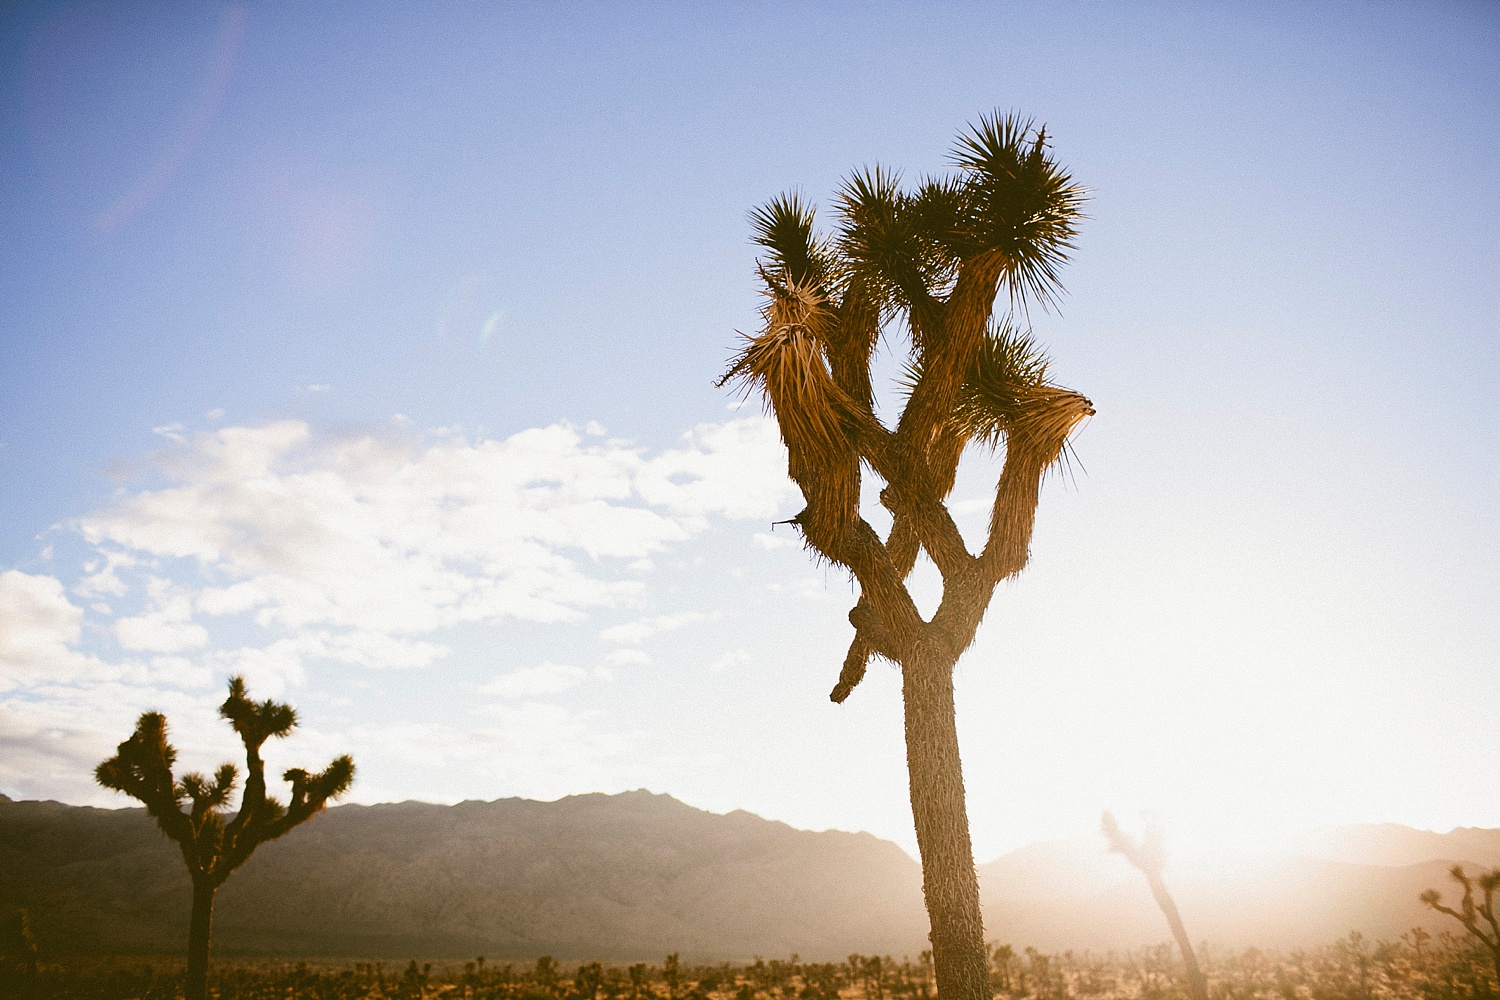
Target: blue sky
405, 322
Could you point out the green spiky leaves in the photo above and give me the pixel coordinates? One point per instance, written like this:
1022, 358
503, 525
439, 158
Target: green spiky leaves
887, 242
784, 226
1009, 200
1009, 399
937, 254
1017, 202
1009, 371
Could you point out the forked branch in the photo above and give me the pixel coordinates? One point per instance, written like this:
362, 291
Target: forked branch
1470, 912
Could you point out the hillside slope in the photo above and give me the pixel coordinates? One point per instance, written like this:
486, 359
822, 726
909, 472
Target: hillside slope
630, 876
636, 876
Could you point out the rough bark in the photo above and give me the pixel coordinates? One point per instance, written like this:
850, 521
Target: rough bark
195, 986
1197, 987
950, 885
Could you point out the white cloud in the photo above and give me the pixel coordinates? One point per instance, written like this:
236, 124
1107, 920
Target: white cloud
636, 632
733, 658
271, 669
530, 682
38, 625
812, 588
737, 468
368, 534
104, 576
269, 549
531, 748
51, 738
160, 632
358, 549
166, 629
40, 630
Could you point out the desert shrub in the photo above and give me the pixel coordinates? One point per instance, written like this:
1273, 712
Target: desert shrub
1416, 967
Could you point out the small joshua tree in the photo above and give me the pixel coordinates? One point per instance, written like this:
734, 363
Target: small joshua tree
213, 845
1149, 857
927, 262
18, 947
1470, 913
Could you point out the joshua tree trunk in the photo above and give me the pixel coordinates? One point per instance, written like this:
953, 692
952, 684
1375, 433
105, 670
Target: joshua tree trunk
1197, 987
949, 883
196, 985
1148, 856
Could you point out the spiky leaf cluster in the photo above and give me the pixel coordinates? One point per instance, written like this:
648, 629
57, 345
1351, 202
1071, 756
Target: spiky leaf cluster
1008, 200
212, 843
932, 258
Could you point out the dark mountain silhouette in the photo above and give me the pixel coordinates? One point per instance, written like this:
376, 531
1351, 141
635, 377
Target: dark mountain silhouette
615, 877
637, 876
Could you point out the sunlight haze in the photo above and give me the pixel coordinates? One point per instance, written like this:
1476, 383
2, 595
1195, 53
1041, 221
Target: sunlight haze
369, 351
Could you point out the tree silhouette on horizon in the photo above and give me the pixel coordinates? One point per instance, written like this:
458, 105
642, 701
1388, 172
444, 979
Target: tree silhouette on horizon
928, 263
1149, 856
212, 845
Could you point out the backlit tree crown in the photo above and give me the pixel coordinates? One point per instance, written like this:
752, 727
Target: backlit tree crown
929, 261
213, 844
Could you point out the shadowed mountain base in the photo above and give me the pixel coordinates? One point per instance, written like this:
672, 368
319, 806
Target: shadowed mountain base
636, 876
622, 877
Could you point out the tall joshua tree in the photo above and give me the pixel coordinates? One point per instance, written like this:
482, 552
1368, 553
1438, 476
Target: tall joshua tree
212, 844
1479, 919
928, 262
1149, 858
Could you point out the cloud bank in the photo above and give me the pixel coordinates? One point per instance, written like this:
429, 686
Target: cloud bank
265, 549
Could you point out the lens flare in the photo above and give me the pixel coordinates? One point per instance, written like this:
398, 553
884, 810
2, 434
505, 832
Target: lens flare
205, 108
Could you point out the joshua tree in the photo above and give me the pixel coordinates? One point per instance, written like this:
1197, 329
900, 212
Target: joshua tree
930, 261
1470, 913
18, 946
212, 844
1148, 856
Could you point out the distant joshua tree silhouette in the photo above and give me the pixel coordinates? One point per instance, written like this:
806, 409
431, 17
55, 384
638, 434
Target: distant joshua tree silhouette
1470, 913
931, 260
1149, 856
212, 845
18, 946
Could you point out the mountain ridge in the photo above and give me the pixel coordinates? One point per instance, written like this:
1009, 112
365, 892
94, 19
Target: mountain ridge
621, 877
638, 875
